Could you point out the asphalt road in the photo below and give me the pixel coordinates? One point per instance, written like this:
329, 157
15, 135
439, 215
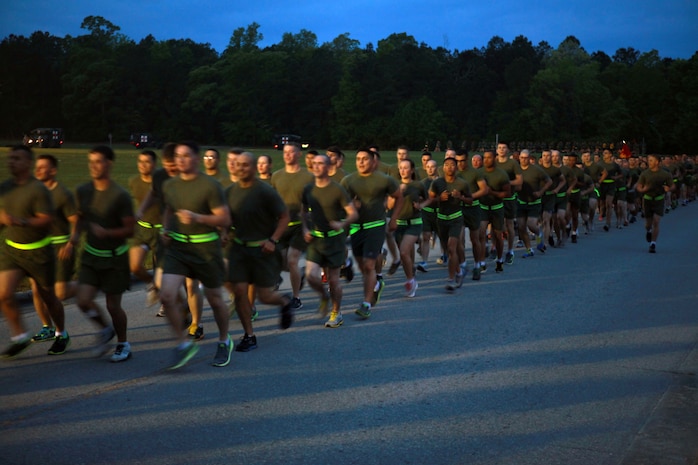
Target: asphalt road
586, 355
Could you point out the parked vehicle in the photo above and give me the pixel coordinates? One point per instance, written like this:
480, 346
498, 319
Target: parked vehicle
44, 138
142, 140
280, 140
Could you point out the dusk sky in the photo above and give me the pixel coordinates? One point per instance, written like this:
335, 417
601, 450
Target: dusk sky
668, 26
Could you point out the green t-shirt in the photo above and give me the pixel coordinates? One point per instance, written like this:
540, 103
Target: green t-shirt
325, 204
534, 178
25, 201
254, 210
107, 208
452, 205
656, 180
370, 193
199, 195
511, 167
413, 192
290, 187
497, 180
139, 190
65, 207
594, 170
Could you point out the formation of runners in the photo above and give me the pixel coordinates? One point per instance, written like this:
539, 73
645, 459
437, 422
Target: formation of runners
229, 236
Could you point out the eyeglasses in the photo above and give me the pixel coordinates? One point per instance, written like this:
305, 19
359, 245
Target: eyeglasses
209, 157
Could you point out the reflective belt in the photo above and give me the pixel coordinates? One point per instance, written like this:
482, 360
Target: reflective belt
493, 207
549, 193
122, 249
452, 216
370, 225
562, 194
621, 189
249, 243
57, 240
428, 209
30, 246
147, 225
409, 222
535, 202
513, 197
476, 203
649, 197
608, 181
194, 238
331, 233
294, 223
574, 191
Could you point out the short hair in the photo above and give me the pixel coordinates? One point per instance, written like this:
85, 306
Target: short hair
25, 149
193, 146
372, 153
53, 161
334, 149
450, 159
215, 150
312, 152
403, 147
461, 151
151, 154
265, 156
426, 153
236, 151
168, 151
104, 150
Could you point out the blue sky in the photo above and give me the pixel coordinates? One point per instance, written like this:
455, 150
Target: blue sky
669, 26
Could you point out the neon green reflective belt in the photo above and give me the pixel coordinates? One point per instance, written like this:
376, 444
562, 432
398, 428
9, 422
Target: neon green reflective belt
621, 189
122, 249
249, 243
452, 216
409, 222
294, 223
476, 203
30, 246
535, 202
194, 238
370, 225
493, 207
513, 197
428, 209
57, 240
147, 225
331, 233
649, 197
574, 191
608, 181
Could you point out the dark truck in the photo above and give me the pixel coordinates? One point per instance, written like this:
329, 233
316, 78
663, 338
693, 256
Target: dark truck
44, 138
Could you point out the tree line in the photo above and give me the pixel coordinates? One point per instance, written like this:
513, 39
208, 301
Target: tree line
398, 92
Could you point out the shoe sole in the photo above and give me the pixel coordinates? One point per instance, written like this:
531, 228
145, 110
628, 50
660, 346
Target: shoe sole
121, 359
334, 325
414, 291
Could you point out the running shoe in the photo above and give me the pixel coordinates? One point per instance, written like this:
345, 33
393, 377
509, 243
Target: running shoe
246, 343
551, 241
46, 333
574, 238
335, 320
510, 257
450, 286
459, 279
152, 296
528, 254
121, 353
541, 247
499, 268
605, 227
393, 267
161, 312
411, 288
653, 248
196, 333
183, 355
60, 345
102, 341
476, 274
364, 311
422, 266
255, 313
16, 348
380, 283
324, 306
223, 352
348, 270
287, 314
483, 268
296, 303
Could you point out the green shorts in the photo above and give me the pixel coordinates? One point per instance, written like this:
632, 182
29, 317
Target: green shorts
39, 264
110, 275
528, 210
621, 194
143, 236
327, 251
510, 208
548, 202
293, 237
607, 189
471, 217
450, 228
429, 221
575, 199
652, 207
251, 265
65, 269
584, 205
560, 202
407, 230
368, 243
493, 217
203, 261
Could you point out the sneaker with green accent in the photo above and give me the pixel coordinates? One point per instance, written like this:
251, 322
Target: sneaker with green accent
380, 283
223, 352
364, 311
46, 333
335, 320
510, 257
255, 313
183, 355
60, 345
